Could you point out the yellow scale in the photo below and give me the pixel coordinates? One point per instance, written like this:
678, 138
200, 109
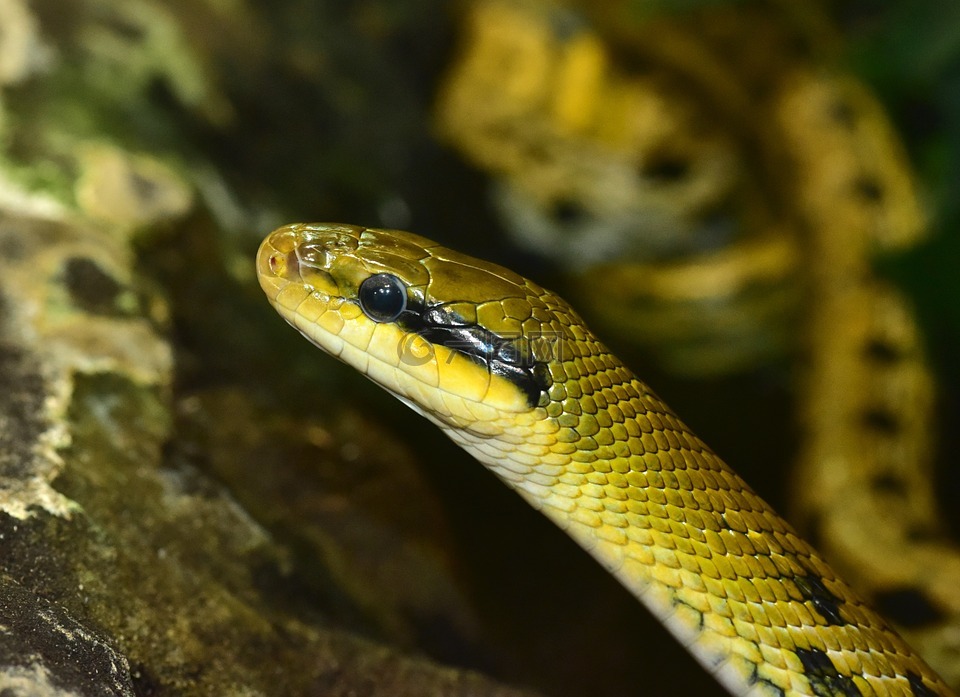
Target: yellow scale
717, 197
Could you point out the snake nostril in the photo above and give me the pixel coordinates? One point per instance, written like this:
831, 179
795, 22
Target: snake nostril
283, 264
277, 263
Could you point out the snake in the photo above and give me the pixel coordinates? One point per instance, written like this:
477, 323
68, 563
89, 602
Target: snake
509, 371
731, 211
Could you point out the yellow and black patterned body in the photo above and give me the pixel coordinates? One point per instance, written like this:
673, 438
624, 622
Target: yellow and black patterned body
508, 370
717, 189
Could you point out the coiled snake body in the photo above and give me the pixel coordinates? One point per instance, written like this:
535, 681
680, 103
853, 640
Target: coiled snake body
509, 372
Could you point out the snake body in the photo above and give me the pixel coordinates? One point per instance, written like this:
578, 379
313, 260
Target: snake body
509, 371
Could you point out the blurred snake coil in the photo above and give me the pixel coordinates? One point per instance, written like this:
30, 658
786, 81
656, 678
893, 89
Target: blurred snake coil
509, 372
717, 187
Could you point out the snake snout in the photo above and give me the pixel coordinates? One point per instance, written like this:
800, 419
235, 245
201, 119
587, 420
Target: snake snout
283, 265
277, 269
277, 256
297, 259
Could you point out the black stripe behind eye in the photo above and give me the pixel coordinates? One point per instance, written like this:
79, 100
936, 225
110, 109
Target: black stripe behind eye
443, 327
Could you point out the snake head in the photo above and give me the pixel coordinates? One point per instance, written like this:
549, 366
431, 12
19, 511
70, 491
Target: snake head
460, 340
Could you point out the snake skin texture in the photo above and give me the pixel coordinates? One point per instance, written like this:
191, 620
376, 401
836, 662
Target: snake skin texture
509, 371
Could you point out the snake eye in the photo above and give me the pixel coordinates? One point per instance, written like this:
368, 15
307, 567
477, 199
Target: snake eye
383, 297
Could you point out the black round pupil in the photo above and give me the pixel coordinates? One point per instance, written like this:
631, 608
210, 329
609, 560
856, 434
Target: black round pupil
383, 297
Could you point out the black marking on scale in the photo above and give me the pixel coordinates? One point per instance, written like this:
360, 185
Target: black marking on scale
824, 602
825, 680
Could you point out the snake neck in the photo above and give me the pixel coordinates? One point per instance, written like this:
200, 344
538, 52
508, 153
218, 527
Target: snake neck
615, 468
